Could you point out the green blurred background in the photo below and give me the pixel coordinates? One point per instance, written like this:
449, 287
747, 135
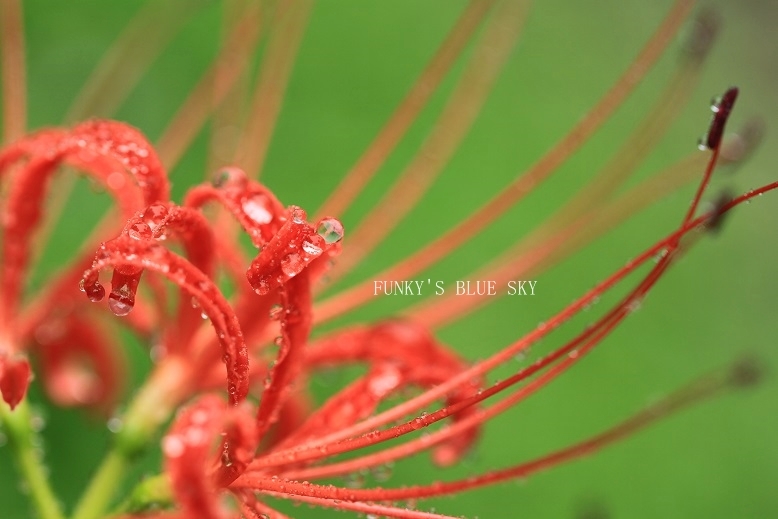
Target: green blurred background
357, 60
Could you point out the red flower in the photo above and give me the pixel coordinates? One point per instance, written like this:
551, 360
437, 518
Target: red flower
227, 451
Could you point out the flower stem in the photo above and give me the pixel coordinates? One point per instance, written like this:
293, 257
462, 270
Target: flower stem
152, 493
150, 408
101, 488
23, 441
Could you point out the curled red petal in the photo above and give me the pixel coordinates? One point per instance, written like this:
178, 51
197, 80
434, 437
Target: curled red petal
127, 146
116, 155
22, 214
253, 205
157, 222
15, 376
125, 253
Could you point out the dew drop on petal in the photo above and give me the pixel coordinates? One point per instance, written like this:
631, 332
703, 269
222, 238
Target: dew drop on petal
94, 292
298, 215
330, 229
292, 264
120, 301
256, 208
139, 231
276, 311
154, 215
262, 287
311, 249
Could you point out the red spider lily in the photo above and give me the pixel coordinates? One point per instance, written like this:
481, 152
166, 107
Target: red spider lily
223, 456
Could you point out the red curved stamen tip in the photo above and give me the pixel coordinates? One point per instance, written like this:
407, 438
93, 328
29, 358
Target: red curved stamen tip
721, 110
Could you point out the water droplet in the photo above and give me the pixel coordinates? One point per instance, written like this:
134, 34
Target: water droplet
256, 208
634, 305
37, 421
139, 231
121, 301
262, 287
115, 424
298, 215
292, 264
95, 292
702, 143
330, 229
354, 480
154, 215
382, 473
276, 311
311, 249
172, 446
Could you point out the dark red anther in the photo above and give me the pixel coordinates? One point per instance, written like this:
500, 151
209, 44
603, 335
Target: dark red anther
721, 111
717, 214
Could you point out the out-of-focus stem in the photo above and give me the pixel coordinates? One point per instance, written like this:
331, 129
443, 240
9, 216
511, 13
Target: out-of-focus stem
152, 492
22, 439
149, 410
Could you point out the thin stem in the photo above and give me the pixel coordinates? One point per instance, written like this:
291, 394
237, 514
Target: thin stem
22, 439
537, 173
479, 369
152, 492
214, 85
612, 176
14, 75
416, 99
462, 108
129, 57
96, 499
284, 41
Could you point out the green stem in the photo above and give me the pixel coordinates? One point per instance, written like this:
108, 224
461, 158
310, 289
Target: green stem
23, 440
150, 408
100, 491
153, 493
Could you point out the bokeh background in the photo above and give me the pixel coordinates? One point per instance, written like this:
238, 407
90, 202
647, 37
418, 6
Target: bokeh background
357, 60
